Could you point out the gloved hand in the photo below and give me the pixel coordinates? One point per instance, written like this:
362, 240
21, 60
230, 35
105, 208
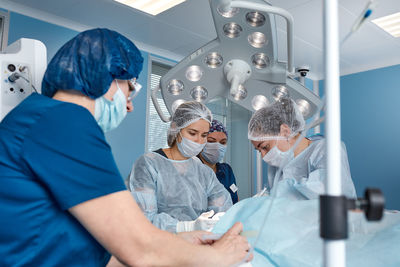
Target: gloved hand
205, 222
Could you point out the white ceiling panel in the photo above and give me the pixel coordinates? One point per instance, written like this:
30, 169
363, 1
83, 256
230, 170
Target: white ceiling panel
184, 28
188, 48
313, 57
195, 16
308, 22
54, 7
105, 13
165, 36
360, 57
288, 4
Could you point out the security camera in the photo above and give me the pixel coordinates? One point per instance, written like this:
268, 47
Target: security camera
303, 70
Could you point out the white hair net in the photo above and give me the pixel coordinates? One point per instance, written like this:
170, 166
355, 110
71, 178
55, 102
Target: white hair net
186, 114
265, 124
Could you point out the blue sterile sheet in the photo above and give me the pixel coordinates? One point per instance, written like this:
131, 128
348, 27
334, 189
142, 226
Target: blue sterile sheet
290, 236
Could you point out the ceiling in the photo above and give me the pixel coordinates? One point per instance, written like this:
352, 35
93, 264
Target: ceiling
179, 31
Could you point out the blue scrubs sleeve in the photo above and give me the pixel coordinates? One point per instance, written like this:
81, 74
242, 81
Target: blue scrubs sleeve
226, 177
67, 152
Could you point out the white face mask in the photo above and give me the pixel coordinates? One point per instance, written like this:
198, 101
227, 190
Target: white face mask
188, 148
275, 157
213, 152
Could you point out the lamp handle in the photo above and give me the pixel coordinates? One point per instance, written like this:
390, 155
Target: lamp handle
278, 11
157, 105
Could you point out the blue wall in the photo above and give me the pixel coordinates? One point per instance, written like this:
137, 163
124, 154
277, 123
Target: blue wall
128, 140
371, 128
51, 35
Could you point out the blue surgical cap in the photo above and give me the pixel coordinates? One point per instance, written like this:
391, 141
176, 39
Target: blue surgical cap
217, 126
90, 62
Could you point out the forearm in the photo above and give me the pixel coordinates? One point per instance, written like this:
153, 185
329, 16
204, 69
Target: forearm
177, 253
119, 225
113, 262
166, 249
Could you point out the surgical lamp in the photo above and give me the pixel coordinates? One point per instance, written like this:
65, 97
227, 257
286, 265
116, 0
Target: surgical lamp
241, 64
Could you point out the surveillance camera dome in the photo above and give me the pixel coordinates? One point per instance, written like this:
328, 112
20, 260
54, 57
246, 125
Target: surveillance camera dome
303, 70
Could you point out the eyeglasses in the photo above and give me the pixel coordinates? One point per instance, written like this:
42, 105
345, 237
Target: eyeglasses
134, 88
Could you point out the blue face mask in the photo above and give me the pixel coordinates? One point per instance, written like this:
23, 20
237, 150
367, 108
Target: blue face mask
188, 148
109, 114
213, 152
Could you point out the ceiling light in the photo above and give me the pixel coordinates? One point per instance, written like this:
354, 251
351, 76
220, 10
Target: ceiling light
199, 93
240, 94
259, 101
194, 73
260, 60
257, 39
228, 14
152, 7
176, 104
175, 87
390, 24
214, 60
304, 107
280, 91
232, 29
241, 64
255, 19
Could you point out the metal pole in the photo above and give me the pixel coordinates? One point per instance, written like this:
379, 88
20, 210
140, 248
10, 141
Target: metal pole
259, 181
334, 250
317, 129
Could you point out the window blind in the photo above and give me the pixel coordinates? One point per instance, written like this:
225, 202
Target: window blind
157, 129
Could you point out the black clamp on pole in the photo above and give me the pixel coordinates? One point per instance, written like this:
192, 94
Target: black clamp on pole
372, 204
333, 217
333, 212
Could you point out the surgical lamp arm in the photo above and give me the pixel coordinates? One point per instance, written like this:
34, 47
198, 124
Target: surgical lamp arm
157, 105
317, 122
277, 11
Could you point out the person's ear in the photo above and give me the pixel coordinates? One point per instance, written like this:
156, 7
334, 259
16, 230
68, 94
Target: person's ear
111, 91
285, 130
178, 137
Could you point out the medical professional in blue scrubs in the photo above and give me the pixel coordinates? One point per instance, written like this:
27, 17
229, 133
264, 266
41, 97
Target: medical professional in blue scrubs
214, 152
62, 198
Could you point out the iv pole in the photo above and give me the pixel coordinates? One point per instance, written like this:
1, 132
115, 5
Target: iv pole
334, 246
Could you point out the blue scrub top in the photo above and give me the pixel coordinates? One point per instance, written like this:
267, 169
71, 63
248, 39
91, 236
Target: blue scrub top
53, 156
227, 178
